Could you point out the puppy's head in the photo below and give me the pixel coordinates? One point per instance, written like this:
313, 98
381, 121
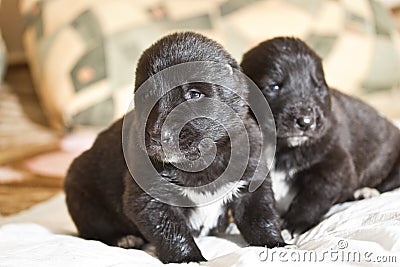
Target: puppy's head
173, 50
291, 77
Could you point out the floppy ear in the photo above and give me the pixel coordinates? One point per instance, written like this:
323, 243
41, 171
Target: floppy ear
241, 84
320, 71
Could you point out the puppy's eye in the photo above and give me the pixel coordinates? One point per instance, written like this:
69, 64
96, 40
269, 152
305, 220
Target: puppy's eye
274, 87
193, 94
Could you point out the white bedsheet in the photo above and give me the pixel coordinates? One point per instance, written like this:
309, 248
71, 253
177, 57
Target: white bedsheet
361, 233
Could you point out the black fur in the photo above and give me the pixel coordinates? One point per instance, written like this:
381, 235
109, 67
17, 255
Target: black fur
345, 144
105, 202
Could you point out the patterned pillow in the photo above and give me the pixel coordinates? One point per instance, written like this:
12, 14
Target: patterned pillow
83, 53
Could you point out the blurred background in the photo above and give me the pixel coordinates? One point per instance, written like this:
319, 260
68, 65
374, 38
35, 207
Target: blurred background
67, 67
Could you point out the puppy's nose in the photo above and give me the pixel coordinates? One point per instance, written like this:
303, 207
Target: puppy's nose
166, 136
305, 122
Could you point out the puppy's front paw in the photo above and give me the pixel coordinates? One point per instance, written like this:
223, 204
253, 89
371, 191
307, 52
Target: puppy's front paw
273, 243
129, 241
182, 255
365, 193
286, 235
295, 225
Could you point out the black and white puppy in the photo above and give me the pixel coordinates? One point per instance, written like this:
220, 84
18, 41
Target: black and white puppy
329, 145
107, 204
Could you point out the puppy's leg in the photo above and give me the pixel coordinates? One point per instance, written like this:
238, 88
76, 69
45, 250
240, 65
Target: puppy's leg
167, 230
365, 193
321, 186
393, 179
162, 225
129, 241
256, 218
96, 220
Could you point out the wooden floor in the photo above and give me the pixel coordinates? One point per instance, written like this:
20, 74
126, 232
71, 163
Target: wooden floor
19, 79
19, 195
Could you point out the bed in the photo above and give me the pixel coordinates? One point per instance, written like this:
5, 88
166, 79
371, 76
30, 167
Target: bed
359, 233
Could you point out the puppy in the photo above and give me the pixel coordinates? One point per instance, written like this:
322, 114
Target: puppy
329, 144
107, 204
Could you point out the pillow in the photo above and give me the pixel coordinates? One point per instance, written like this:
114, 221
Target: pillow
357, 39
83, 53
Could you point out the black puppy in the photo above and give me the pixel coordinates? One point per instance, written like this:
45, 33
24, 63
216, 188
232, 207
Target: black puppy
329, 145
107, 204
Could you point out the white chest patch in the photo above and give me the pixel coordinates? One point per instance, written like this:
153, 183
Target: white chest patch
211, 205
284, 191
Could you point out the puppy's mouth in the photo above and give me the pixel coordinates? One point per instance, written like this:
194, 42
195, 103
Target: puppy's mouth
297, 130
297, 138
296, 141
